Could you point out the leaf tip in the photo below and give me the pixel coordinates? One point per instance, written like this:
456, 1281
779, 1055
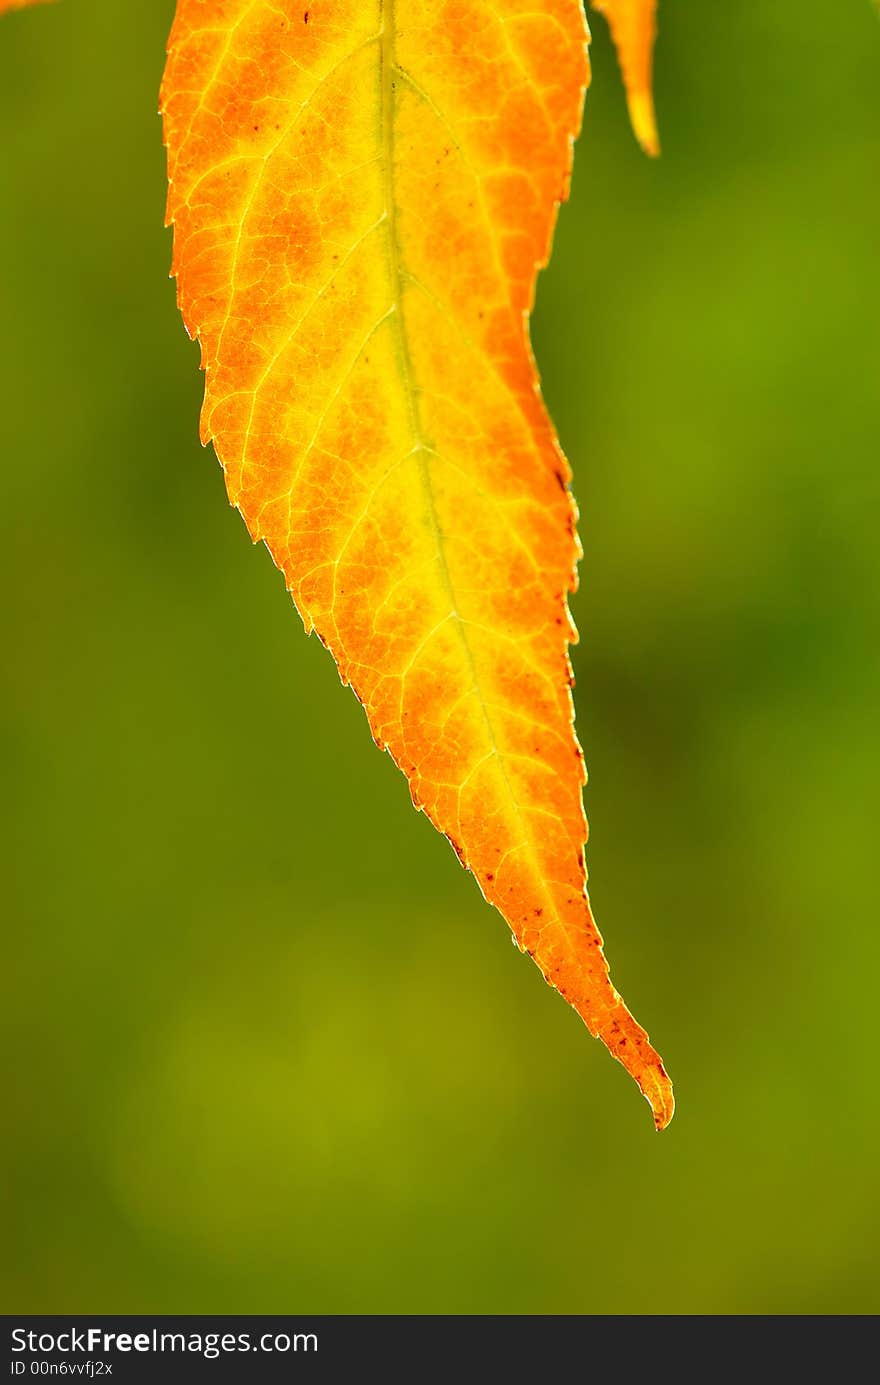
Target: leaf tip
644, 121
627, 1041
633, 25
658, 1092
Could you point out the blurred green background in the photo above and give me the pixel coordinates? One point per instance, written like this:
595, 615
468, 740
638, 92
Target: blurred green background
267, 1050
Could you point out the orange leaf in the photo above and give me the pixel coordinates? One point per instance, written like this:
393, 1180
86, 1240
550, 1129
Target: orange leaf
6, 5
361, 195
633, 25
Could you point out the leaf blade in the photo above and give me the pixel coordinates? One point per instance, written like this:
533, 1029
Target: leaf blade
357, 237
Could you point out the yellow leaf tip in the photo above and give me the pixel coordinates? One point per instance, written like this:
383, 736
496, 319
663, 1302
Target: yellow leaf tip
633, 25
644, 121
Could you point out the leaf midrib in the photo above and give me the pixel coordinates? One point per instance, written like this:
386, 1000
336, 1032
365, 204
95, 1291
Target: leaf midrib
424, 447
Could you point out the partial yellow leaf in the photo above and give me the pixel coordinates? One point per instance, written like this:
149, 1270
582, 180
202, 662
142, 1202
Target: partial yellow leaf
362, 192
633, 25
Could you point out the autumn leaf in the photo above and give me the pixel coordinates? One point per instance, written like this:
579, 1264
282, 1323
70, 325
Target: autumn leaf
6, 5
362, 194
633, 25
